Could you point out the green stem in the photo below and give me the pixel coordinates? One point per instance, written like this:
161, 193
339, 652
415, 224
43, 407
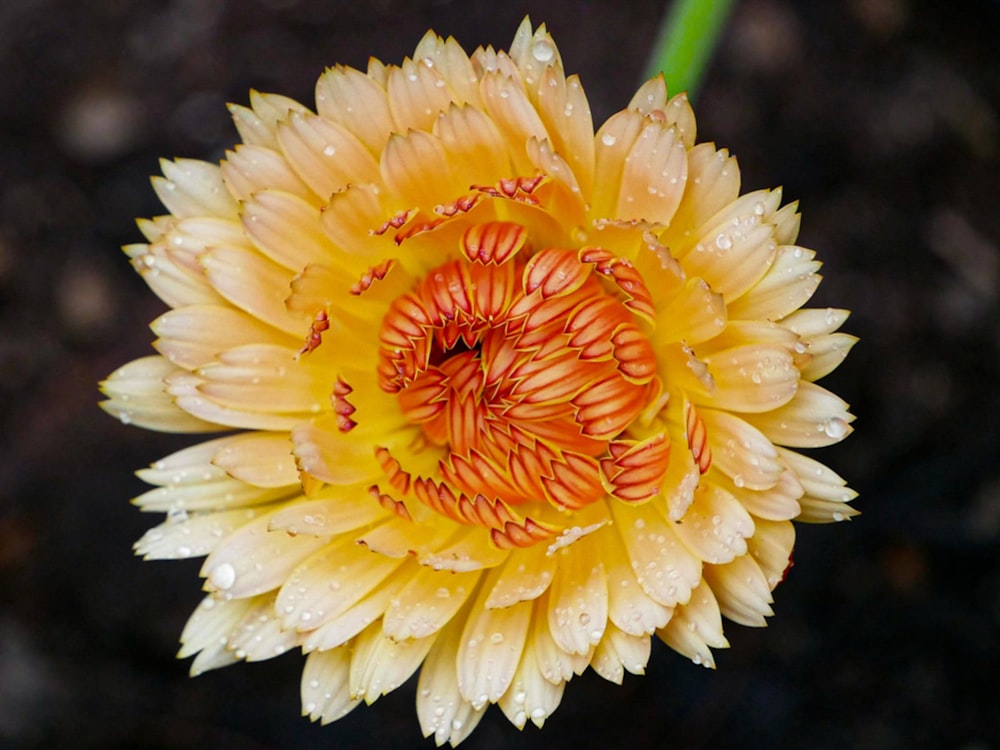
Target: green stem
685, 41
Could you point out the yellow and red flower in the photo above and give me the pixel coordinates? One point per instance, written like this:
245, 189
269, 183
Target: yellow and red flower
512, 396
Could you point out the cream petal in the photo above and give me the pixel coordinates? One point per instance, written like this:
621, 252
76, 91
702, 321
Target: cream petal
779, 503
814, 418
654, 175
713, 183
287, 230
326, 694
826, 494
182, 536
330, 581
255, 284
249, 169
265, 378
348, 509
750, 379
217, 493
771, 546
740, 451
254, 560
259, 635
812, 323
258, 123
662, 564
694, 314
630, 609
415, 168
448, 58
137, 394
191, 465
207, 633
193, 188
339, 629
327, 156
651, 100
613, 142
578, 598
565, 114
333, 456
193, 335
742, 590
350, 98
490, 647
263, 459
716, 526
555, 664
427, 603
618, 652
398, 537
170, 278
787, 285
786, 223
441, 709
469, 549
826, 353
417, 93
525, 576
183, 387
349, 220
696, 627
731, 258
507, 104
380, 664
473, 147
530, 695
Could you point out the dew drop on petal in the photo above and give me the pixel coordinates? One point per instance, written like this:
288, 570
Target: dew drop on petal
835, 427
608, 139
543, 51
223, 576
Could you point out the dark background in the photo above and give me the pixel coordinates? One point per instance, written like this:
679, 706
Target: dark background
880, 116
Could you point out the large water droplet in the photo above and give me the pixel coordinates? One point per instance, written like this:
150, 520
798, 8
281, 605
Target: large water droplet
543, 51
223, 576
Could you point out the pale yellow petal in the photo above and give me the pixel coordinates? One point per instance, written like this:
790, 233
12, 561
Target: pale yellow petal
716, 526
441, 709
326, 694
741, 451
380, 664
287, 229
578, 598
619, 652
654, 175
193, 188
137, 394
787, 285
249, 169
692, 315
696, 627
259, 635
742, 590
779, 503
207, 633
417, 93
263, 459
810, 323
327, 156
254, 560
814, 418
750, 379
630, 608
525, 576
530, 695
329, 582
352, 99
826, 353
182, 536
427, 603
771, 546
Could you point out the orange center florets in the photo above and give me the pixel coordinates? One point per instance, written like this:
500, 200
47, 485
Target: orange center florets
529, 369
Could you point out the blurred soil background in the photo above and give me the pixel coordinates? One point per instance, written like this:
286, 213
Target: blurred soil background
879, 116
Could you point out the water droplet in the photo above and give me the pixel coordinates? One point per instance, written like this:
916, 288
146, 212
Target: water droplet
496, 637
543, 51
584, 618
222, 576
723, 241
838, 516
609, 139
835, 427
329, 151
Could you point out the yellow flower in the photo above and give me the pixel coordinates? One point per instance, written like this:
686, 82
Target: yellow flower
514, 395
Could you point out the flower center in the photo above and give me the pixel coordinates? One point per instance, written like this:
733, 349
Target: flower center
529, 369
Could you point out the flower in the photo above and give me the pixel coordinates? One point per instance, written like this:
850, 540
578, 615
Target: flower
511, 396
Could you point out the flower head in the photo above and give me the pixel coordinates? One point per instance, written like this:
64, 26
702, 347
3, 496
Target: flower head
512, 396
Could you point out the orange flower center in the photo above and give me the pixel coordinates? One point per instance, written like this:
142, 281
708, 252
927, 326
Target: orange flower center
529, 369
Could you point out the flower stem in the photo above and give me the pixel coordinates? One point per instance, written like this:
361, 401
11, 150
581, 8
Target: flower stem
685, 41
